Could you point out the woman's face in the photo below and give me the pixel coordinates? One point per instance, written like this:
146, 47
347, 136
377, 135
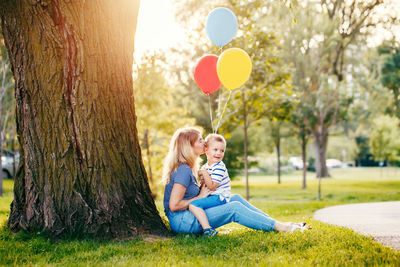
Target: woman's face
199, 146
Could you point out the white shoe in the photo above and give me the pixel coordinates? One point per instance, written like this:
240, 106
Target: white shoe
302, 227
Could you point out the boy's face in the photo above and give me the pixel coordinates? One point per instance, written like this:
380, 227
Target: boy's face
215, 152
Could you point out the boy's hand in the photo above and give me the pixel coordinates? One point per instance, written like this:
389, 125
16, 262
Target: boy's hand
202, 172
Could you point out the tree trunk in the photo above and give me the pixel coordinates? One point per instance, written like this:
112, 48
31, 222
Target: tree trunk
246, 166
319, 188
304, 157
81, 170
321, 140
278, 151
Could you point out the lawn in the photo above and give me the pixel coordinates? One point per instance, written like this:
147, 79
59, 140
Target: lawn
324, 245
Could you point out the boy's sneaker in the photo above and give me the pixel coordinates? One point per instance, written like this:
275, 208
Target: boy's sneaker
210, 232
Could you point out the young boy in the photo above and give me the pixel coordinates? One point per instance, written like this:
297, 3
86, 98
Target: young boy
215, 176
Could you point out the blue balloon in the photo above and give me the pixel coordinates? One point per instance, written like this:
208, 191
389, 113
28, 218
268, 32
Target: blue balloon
221, 26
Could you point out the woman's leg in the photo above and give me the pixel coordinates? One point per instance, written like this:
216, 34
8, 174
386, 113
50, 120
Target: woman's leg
279, 226
184, 222
235, 211
236, 197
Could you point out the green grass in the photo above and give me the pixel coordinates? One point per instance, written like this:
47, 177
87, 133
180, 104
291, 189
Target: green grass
324, 245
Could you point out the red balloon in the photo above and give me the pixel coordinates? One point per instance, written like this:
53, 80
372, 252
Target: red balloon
205, 74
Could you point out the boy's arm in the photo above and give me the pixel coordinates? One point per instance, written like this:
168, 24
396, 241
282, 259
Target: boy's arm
205, 176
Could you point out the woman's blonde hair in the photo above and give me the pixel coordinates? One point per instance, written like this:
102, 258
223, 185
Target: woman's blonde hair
181, 152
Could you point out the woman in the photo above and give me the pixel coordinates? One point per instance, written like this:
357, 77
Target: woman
180, 171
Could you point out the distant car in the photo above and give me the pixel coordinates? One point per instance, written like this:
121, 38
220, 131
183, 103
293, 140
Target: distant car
333, 163
7, 163
296, 163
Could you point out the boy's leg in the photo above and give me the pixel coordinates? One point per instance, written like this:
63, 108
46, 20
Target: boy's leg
198, 206
200, 216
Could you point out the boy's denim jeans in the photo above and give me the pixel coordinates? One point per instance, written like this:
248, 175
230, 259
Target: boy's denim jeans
237, 210
208, 202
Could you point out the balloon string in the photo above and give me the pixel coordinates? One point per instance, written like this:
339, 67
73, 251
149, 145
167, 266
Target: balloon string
219, 104
223, 111
211, 118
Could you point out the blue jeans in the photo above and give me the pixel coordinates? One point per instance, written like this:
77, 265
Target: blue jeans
237, 210
208, 202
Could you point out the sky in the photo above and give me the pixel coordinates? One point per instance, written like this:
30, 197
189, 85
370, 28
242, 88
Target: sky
156, 28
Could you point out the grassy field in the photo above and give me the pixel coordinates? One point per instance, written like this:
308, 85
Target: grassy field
324, 245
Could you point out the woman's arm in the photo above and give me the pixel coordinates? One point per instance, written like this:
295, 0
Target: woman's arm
176, 201
205, 176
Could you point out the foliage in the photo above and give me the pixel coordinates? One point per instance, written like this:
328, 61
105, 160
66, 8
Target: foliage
279, 131
159, 115
391, 75
372, 99
323, 48
233, 158
323, 45
342, 147
384, 138
267, 93
324, 245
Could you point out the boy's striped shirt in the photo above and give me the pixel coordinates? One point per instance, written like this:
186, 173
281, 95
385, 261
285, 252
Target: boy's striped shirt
219, 174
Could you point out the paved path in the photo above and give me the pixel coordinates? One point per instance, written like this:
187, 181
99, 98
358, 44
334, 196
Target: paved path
380, 220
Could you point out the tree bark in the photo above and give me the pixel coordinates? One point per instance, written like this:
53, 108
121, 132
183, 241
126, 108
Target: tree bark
81, 170
148, 153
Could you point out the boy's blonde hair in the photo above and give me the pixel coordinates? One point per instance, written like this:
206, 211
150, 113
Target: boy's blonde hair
215, 138
181, 152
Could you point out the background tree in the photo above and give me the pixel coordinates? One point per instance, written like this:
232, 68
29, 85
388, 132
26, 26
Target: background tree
372, 100
6, 84
390, 75
159, 114
275, 127
246, 38
321, 47
384, 138
298, 119
266, 93
81, 170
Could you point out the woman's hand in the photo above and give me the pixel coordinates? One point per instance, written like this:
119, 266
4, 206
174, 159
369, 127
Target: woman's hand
176, 201
204, 192
201, 176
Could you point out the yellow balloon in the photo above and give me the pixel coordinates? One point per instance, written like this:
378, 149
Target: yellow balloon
233, 68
